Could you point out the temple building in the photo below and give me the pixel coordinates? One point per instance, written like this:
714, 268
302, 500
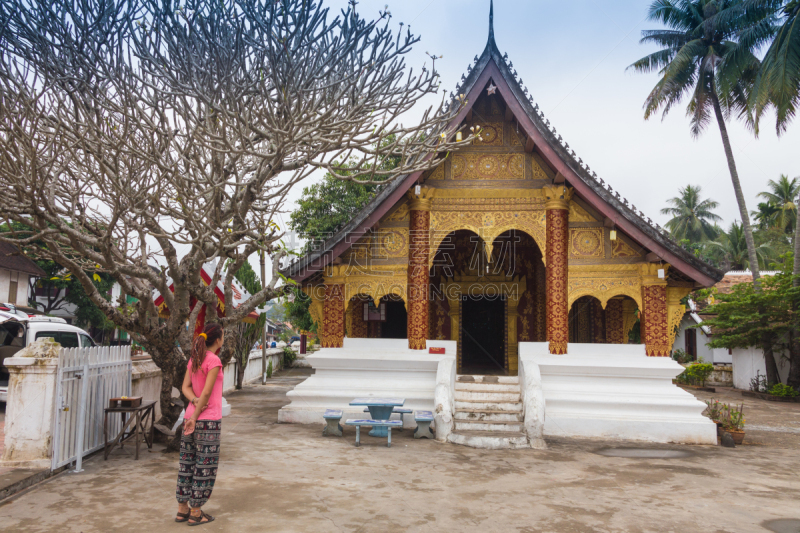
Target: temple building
510, 245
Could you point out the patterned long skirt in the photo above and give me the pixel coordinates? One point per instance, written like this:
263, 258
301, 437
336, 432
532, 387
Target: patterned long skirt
198, 463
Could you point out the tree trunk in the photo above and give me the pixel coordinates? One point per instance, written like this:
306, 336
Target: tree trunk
769, 359
794, 350
737, 188
239, 373
173, 370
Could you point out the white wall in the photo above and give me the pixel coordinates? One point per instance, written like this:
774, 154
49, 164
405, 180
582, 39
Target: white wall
253, 370
709, 355
748, 361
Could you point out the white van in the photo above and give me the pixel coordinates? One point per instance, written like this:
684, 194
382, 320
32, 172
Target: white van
17, 332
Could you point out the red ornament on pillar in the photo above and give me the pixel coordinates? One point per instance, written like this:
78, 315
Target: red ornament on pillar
557, 207
333, 316
418, 278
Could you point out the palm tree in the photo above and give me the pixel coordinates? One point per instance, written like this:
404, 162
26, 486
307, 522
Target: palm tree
700, 58
782, 196
730, 250
764, 215
692, 218
775, 23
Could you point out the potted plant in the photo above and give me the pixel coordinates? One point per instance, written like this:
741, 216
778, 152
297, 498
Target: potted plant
733, 421
714, 412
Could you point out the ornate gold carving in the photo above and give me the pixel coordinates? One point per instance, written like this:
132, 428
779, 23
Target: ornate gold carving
394, 242
675, 310
487, 218
488, 166
400, 214
603, 283
537, 170
491, 134
438, 173
620, 248
421, 202
586, 242
649, 273
579, 214
558, 197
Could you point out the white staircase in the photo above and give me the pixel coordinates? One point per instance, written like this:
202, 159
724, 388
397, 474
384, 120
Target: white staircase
488, 413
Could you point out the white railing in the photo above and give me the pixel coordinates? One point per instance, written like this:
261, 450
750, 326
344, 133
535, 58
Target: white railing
87, 379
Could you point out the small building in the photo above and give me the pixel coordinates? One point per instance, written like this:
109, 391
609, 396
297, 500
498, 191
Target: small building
746, 363
16, 274
510, 248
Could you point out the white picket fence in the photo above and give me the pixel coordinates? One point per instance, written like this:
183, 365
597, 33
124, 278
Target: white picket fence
87, 379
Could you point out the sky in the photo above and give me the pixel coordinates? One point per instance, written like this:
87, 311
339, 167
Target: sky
573, 56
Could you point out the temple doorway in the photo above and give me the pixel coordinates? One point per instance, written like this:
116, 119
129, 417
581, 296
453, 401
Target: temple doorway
483, 336
396, 324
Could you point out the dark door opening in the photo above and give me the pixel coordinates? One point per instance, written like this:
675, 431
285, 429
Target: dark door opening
482, 336
396, 325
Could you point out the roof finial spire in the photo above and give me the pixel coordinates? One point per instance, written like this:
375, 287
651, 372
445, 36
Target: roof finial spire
491, 20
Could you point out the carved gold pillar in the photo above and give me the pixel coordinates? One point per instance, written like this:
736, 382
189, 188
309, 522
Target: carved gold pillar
629, 319
356, 327
675, 310
418, 279
557, 207
333, 316
614, 322
655, 322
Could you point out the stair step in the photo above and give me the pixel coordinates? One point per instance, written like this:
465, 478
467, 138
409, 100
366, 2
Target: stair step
487, 396
488, 426
467, 378
488, 405
489, 415
488, 387
493, 440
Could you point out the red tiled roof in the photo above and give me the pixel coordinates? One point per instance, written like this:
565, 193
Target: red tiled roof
12, 259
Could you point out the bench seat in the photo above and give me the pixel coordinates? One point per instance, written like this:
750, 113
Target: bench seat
388, 424
423, 429
332, 426
399, 410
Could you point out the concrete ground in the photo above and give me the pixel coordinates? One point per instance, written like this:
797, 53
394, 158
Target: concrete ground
277, 477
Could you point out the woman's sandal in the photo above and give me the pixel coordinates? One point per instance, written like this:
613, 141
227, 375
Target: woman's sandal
183, 517
197, 520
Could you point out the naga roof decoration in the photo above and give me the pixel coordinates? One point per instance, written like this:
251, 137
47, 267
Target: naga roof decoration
495, 68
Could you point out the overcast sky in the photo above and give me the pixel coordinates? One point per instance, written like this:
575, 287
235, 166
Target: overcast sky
573, 56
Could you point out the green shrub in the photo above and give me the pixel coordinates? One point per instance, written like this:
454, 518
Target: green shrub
289, 356
269, 369
698, 373
785, 391
695, 374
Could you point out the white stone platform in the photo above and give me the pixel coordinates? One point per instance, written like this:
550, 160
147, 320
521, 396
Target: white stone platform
365, 368
614, 391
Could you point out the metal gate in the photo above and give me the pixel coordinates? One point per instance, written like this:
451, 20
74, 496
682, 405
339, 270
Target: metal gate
87, 379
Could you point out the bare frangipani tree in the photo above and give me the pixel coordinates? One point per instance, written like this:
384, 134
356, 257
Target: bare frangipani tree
141, 132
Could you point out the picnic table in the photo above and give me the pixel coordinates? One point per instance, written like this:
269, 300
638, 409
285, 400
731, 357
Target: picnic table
379, 409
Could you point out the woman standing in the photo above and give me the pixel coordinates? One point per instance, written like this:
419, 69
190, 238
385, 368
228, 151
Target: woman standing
202, 425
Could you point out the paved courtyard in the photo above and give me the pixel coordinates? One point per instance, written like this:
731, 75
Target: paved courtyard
277, 477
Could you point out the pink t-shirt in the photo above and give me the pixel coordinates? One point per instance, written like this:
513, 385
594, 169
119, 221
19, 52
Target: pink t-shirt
214, 409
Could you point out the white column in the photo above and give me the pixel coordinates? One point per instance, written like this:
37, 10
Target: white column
29, 411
